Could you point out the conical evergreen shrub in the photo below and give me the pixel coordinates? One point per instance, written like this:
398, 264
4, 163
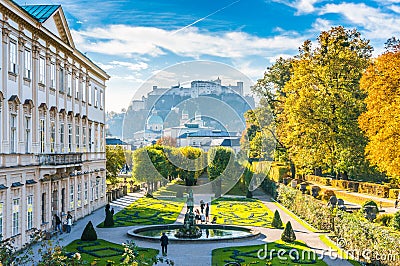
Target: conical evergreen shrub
276, 221
288, 234
89, 234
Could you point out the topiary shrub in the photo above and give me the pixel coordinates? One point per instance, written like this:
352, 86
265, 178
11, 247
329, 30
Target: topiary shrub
288, 234
276, 221
396, 220
89, 234
370, 203
249, 194
384, 219
109, 220
370, 209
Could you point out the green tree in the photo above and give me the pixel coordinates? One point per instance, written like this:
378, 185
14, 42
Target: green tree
220, 162
288, 234
276, 220
318, 123
271, 90
89, 234
115, 161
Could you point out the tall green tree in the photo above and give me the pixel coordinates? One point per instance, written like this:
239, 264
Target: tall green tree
318, 123
115, 161
220, 161
271, 90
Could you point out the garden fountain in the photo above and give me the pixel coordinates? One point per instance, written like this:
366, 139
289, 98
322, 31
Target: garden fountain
189, 228
190, 231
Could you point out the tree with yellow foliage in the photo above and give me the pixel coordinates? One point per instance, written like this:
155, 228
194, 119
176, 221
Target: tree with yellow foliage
381, 121
323, 101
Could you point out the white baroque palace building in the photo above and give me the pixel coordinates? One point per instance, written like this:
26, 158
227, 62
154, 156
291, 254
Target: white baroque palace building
52, 155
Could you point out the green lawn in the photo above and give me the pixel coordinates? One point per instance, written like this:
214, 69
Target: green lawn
101, 251
148, 211
241, 211
248, 255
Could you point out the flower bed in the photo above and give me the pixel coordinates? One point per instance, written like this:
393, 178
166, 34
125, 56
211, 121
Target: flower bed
241, 211
248, 255
103, 251
148, 211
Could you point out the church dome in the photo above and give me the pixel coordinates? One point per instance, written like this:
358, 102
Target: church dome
154, 119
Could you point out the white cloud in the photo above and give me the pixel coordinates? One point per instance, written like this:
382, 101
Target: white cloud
126, 65
321, 25
131, 66
376, 24
395, 8
301, 6
129, 41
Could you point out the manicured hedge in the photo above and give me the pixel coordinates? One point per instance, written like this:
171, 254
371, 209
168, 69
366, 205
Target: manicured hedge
326, 181
360, 187
306, 207
363, 237
358, 234
374, 189
346, 184
275, 171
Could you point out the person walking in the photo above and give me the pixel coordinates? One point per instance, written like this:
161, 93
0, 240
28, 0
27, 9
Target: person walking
207, 212
69, 222
164, 244
58, 223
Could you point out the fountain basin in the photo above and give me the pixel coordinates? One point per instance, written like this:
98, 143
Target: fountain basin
216, 232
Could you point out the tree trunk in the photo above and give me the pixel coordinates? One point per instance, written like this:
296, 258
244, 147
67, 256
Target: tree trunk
344, 175
318, 171
293, 169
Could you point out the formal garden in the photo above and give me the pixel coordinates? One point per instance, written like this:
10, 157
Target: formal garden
328, 133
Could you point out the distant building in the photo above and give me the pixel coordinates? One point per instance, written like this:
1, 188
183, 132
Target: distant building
117, 142
203, 138
165, 100
52, 121
233, 143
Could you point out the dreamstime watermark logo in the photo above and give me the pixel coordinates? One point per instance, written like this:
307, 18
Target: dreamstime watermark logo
199, 104
368, 255
285, 253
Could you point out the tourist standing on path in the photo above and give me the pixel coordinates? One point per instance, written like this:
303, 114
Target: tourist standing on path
197, 216
164, 244
58, 223
202, 206
207, 212
69, 222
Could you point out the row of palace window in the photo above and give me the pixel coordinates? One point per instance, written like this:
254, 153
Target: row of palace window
83, 139
15, 230
29, 212
79, 94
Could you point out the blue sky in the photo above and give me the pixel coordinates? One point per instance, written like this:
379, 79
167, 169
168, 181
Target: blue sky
133, 40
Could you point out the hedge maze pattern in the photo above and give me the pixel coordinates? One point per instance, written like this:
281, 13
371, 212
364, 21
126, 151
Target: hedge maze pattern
241, 211
248, 255
146, 211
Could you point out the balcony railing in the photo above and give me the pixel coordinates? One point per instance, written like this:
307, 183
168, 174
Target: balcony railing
59, 159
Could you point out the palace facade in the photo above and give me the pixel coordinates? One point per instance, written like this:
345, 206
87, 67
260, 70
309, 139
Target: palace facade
52, 141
